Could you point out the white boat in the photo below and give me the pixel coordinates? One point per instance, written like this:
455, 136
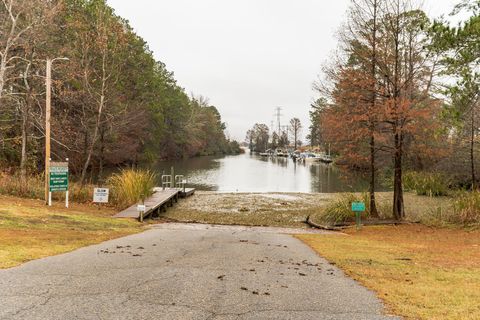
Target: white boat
326, 158
310, 157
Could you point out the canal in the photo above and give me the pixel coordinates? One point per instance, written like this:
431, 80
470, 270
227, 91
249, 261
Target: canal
252, 173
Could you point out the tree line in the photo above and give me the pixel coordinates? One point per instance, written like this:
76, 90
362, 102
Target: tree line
112, 102
402, 93
261, 138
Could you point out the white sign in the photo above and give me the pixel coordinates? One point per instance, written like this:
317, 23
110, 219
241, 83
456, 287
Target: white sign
141, 208
100, 195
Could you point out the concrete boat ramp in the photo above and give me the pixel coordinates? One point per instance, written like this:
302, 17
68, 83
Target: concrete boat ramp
158, 202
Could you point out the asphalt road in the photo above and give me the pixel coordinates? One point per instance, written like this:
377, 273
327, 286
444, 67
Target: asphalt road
184, 272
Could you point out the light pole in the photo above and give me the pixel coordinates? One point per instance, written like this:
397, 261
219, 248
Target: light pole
48, 101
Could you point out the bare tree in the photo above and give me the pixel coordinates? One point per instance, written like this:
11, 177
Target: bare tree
100, 60
295, 128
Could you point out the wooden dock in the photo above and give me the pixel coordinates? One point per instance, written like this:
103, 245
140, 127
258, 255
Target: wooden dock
187, 192
158, 202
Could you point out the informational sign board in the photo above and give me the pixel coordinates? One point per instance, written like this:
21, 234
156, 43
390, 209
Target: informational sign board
141, 208
100, 195
58, 180
358, 206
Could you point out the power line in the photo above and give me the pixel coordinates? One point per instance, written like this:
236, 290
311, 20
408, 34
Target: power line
278, 115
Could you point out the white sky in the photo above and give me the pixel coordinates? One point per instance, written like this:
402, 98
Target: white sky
246, 56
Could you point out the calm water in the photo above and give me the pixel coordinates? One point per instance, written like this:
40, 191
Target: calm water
251, 173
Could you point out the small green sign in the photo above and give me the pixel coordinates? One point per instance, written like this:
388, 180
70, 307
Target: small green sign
358, 206
58, 178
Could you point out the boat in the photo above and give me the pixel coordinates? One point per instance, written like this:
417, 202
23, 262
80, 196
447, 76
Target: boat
280, 153
267, 153
310, 157
296, 155
326, 158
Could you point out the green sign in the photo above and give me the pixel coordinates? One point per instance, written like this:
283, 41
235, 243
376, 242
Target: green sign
358, 206
58, 177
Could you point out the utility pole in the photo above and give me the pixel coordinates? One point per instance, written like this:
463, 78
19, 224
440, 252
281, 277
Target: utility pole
47, 126
48, 107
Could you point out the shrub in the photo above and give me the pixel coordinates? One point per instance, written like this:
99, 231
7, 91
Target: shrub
13, 185
426, 183
466, 208
130, 186
33, 188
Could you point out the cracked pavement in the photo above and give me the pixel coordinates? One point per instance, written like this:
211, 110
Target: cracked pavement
177, 271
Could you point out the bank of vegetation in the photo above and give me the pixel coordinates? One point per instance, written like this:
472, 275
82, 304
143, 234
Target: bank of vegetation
400, 101
113, 103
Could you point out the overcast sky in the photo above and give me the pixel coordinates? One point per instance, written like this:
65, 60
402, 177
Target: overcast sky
246, 56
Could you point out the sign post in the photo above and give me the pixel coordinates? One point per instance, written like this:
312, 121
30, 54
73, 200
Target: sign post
141, 208
358, 208
58, 180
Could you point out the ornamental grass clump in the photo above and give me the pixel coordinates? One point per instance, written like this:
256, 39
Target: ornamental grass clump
130, 186
340, 211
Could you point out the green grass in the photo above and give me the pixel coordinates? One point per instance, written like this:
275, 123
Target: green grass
30, 230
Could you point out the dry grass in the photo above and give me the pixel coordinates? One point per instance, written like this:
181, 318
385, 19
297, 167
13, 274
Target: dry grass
250, 209
292, 209
420, 272
30, 230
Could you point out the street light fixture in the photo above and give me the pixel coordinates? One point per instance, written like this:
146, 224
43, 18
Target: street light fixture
48, 101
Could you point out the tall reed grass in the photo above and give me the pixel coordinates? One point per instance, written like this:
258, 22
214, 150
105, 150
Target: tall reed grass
130, 186
34, 188
466, 208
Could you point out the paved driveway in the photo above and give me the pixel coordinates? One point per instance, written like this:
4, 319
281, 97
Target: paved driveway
176, 271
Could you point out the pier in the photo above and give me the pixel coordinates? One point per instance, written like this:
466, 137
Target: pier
157, 202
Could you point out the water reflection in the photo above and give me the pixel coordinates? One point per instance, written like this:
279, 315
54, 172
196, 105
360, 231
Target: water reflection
251, 173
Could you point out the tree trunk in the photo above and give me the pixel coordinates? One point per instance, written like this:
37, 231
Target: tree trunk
3, 69
472, 153
23, 157
101, 158
92, 144
398, 204
25, 110
295, 137
373, 204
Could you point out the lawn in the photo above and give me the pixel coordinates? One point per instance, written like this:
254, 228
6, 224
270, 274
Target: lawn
30, 230
420, 272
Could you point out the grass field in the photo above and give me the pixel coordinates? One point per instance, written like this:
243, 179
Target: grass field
420, 272
30, 230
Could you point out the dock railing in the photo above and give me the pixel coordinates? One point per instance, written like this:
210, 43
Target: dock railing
166, 181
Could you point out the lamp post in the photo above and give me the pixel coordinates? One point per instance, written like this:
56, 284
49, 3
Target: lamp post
48, 101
